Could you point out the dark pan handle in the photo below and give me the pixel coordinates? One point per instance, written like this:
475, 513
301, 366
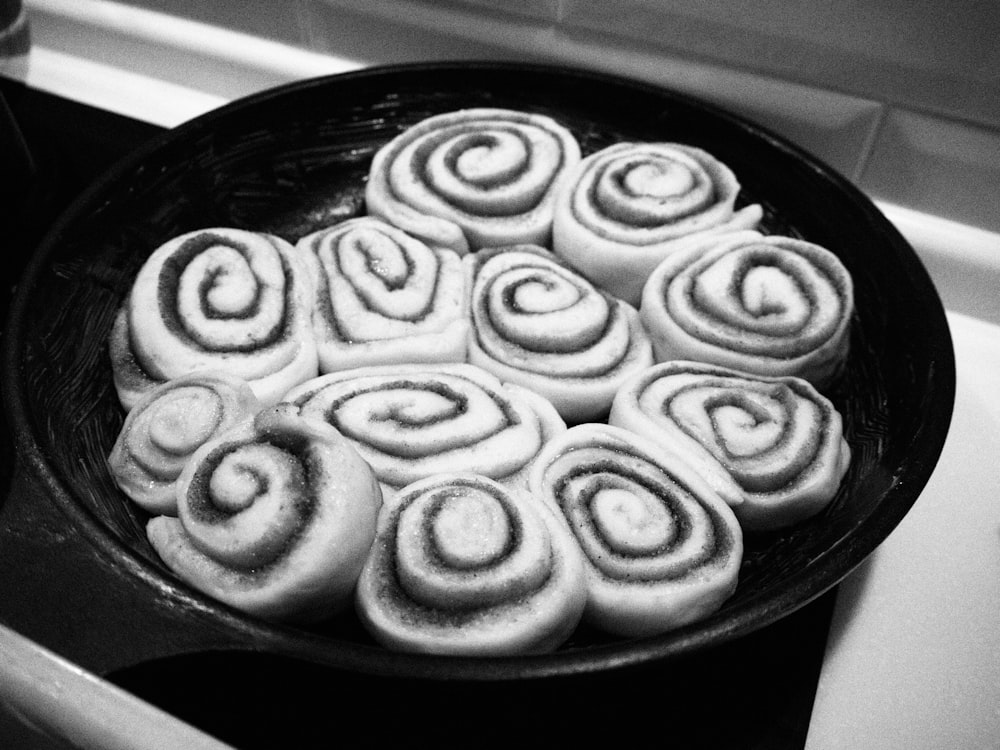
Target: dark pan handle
65, 593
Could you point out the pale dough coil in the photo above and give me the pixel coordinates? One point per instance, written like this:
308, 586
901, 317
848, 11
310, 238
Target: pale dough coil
217, 299
767, 305
275, 518
627, 207
542, 325
772, 447
661, 548
167, 426
473, 178
464, 565
413, 421
383, 297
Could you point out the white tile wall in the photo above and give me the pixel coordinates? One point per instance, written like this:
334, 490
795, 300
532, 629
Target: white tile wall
401, 32
538, 9
931, 164
924, 54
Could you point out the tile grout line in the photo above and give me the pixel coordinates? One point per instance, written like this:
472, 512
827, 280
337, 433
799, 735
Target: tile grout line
870, 141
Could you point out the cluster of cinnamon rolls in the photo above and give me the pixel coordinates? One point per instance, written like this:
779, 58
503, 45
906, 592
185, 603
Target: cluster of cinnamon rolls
528, 388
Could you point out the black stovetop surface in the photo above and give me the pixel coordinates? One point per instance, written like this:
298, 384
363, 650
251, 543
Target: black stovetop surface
755, 693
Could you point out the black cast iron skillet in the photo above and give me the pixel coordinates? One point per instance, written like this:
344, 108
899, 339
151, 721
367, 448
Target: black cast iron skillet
294, 158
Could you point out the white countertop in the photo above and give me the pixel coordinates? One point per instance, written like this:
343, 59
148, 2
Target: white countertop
913, 656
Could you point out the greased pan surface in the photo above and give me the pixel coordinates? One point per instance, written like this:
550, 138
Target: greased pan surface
295, 158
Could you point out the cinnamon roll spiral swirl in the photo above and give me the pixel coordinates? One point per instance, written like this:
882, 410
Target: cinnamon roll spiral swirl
217, 299
413, 421
169, 424
473, 178
463, 565
275, 518
772, 447
384, 297
627, 207
537, 323
766, 305
661, 548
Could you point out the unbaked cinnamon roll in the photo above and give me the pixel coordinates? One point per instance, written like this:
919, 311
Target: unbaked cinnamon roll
772, 447
627, 207
473, 178
537, 323
384, 297
217, 299
413, 421
167, 426
764, 305
275, 518
463, 565
661, 548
